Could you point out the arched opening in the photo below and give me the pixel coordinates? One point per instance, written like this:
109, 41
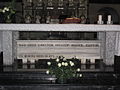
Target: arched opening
109, 11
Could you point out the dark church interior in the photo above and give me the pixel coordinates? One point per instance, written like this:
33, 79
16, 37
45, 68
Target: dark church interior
24, 74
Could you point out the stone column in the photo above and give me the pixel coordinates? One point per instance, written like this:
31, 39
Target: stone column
1, 41
101, 37
117, 44
7, 49
15, 38
110, 47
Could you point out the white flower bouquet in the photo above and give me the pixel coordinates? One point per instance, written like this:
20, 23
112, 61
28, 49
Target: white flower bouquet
8, 11
62, 68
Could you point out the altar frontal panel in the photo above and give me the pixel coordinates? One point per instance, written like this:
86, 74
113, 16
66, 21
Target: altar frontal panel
46, 49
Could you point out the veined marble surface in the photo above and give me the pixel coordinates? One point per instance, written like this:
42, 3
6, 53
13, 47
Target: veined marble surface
110, 47
59, 27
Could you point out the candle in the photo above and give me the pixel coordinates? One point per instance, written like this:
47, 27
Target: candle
100, 21
109, 18
100, 18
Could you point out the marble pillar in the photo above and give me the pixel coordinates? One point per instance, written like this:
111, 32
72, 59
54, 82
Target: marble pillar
1, 41
110, 47
101, 37
7, 48
117, 44
15, 38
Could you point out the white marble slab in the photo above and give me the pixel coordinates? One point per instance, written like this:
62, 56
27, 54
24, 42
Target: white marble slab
59, 27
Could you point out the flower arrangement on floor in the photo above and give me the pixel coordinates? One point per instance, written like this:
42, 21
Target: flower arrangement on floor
62, 68
8, 11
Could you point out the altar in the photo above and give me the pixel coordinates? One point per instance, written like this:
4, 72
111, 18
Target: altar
20, 71
107, 36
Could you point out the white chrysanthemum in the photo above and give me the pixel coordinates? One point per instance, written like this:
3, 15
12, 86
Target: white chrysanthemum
63, 63
80, 75
3, 11
59, 64
57, 60
72, 64
47, 72
7, 9
78, 70
66, 64
49, 63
